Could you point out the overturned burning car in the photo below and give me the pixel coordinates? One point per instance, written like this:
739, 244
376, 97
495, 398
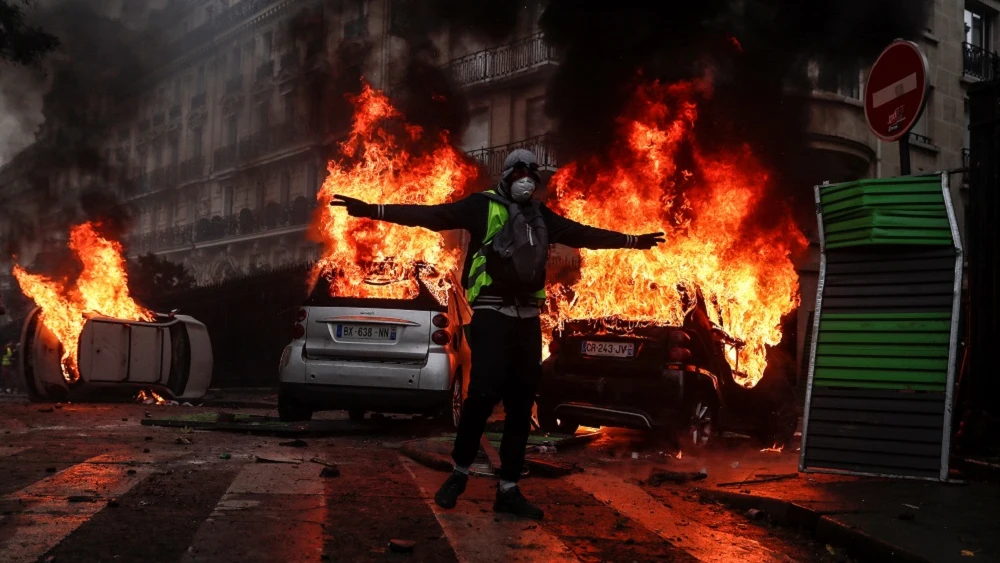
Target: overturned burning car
170, 355
661, 378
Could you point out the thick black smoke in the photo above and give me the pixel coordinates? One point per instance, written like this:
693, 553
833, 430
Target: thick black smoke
427, 94
757, 49
87, 90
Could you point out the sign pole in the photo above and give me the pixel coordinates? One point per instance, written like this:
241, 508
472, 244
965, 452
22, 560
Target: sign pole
904, 155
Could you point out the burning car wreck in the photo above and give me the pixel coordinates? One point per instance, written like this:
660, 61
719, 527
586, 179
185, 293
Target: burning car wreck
659, 377
90, 340
170, 355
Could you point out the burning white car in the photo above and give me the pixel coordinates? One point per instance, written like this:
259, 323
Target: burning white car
171, 355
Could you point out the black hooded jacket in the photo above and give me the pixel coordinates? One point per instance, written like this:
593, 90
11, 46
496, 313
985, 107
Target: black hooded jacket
472, 213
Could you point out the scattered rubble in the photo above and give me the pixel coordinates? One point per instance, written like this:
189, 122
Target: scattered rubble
762, 479
660, 476
402, 546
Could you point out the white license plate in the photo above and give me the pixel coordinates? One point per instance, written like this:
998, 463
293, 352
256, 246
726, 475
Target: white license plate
366, 333
609, 349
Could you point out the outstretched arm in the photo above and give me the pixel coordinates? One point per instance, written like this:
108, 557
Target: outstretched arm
441, 217
576, 235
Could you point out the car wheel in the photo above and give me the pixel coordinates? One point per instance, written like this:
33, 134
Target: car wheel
291, 410
457, 400
356, 415
549, 423
697, 423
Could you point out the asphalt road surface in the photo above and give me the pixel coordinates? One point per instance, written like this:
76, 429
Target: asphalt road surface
90, 483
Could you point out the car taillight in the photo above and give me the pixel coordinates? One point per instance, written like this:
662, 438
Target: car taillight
678, 354
441, 337
301, 315
298, 331
440, 321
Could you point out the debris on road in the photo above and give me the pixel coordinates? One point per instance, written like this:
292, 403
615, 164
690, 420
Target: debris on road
402, 546
762, 479
277, 459
549, 468
330, 472
81, 498
754, 514
184, 441
660, 476
224, 456
294, 444
429, 460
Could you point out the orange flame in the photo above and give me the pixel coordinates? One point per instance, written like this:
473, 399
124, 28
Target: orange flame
658, 178
381, 164
152, 397
774, 448
100, 290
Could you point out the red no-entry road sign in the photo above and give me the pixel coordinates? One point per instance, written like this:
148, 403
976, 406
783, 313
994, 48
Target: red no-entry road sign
896, 90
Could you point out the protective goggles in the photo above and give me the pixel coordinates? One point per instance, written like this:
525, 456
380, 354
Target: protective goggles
526, 169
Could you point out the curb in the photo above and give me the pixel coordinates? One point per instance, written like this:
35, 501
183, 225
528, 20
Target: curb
824, 527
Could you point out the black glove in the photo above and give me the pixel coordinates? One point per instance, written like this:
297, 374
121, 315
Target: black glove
644, 242
355, 207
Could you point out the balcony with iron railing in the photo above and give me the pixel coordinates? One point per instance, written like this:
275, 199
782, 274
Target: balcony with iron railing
268, 141
979, 62
198, 100
191, 169
492, 157
502, 62
273, 217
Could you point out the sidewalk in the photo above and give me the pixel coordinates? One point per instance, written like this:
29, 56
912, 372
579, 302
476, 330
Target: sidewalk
875, 519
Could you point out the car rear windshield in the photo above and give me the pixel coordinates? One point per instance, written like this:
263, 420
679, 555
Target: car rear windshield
423, 301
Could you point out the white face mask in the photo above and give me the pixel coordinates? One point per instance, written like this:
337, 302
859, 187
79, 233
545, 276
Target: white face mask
521, 190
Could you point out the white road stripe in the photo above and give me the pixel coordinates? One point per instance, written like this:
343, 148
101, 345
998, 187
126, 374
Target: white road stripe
48, 516
269, 485
632, 502
475, 536
895, 90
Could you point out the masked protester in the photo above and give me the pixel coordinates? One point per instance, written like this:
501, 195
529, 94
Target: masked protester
504, 278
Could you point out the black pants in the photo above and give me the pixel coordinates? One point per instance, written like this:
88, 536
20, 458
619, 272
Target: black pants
506, 366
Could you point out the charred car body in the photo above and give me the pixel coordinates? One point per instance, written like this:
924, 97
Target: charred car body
118, 358
376, 355
605, 372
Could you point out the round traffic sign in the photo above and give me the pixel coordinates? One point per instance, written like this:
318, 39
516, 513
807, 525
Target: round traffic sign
896, 90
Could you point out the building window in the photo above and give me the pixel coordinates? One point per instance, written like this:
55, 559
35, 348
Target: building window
844, 80
262, 116
289, 104
177, 91
196, 142
231, 130
537, 123
266, 42
286, 187
477, 135
175, 152
235, 63
201, 79
977, 29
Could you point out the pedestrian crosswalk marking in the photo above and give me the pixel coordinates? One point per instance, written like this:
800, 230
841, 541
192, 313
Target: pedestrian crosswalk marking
636, 504
48, 516
475, 536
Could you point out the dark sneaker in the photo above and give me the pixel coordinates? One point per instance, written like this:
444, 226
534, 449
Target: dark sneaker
447, 495
513, 502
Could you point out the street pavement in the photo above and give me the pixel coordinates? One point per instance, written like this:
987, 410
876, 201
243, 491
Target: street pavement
91, 483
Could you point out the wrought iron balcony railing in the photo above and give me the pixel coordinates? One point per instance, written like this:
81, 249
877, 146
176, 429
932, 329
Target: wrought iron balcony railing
492, 157
191, 169
979, 62
265, 142
272, 217
198, 101
922, 139
501, 62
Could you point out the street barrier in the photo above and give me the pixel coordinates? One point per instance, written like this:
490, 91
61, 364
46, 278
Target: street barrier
882, 361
